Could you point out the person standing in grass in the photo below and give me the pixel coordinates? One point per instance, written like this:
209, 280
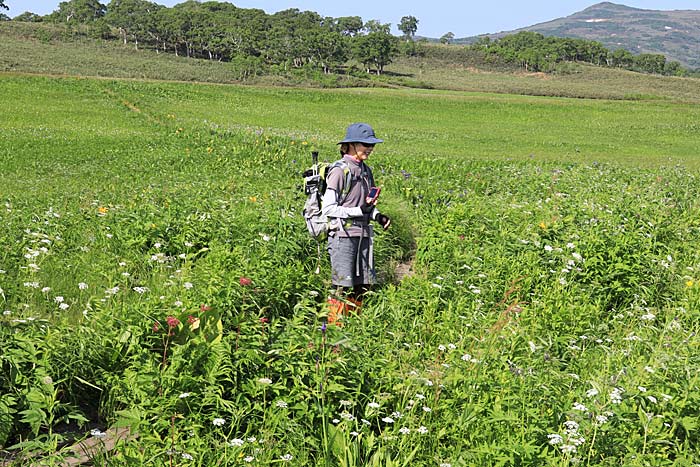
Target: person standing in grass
350, 203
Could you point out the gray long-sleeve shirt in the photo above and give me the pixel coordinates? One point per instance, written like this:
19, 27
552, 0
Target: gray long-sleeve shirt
346, 214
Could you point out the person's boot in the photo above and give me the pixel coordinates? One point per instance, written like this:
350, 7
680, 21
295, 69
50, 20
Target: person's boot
354, 305
336, 309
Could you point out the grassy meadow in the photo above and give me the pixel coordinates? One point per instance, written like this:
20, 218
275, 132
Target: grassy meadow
156, 274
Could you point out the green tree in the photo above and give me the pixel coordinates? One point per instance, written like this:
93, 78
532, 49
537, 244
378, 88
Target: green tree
349, 25
328, 48
408, 26
674, 69
447, 38
375, 26
28, 17
135, 19
375, 49
80, 11
621, 58
650, 63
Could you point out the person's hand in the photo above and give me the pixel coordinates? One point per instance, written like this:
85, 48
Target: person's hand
384, 221
367, 208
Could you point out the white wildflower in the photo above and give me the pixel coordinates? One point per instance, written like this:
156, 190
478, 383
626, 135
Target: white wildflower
580, 407
616, 396
571, 426
218, 422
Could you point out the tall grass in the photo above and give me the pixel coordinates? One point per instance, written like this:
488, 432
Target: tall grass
156, 274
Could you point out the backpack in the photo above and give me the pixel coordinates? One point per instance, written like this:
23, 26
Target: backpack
314, 189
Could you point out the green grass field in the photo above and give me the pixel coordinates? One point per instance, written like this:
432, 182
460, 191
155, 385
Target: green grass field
156, 274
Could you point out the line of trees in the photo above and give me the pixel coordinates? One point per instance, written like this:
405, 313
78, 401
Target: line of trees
221, 31
293, 39
534, 52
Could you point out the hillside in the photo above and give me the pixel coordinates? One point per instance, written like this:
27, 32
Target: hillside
42, 49
673, 33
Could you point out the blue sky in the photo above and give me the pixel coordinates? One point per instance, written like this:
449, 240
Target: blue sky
435, 17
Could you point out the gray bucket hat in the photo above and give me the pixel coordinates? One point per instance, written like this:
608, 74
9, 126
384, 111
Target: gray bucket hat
360, 133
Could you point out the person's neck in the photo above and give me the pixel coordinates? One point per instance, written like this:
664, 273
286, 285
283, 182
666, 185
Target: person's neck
355, 157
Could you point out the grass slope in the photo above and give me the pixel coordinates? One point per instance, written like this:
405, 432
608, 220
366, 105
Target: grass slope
44, 49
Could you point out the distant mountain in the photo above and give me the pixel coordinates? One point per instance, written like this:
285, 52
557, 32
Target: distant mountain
673, 33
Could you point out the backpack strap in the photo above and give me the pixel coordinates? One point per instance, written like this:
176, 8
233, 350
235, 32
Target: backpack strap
347, 178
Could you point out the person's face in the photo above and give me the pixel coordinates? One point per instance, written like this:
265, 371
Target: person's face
363, 150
